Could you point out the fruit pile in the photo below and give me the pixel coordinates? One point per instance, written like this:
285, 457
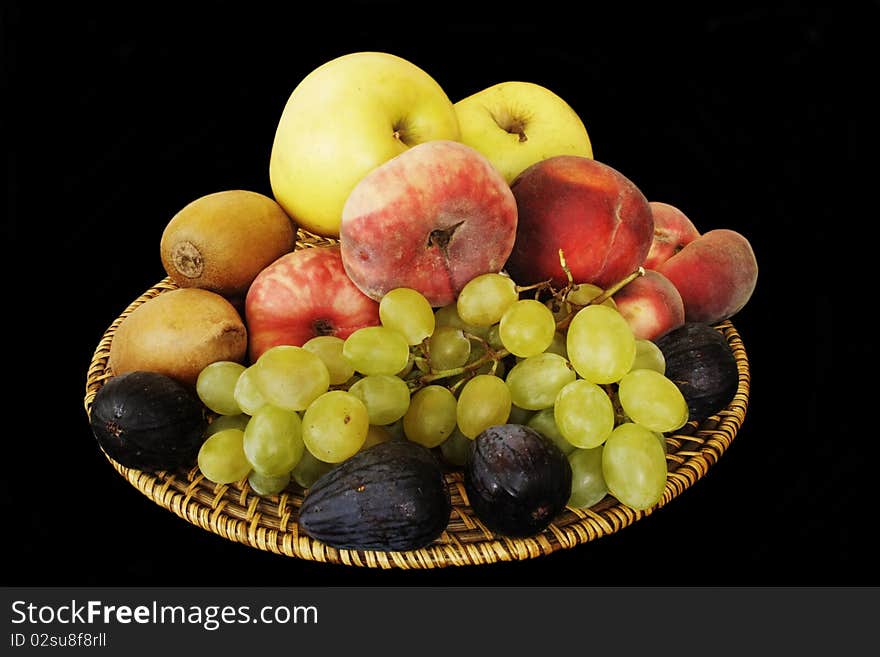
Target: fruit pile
486, 297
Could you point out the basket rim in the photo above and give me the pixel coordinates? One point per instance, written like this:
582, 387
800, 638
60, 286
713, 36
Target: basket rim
234, 512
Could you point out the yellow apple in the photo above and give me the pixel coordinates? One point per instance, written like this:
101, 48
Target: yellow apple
516, 124
343, 120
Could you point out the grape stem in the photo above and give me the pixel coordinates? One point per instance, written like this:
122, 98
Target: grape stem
490, 355
543, 285
619, 415
567, 271
618, 286
595, 301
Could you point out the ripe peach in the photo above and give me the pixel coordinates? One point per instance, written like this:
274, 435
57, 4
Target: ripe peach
430, 219
715, 275
301, 295
672, 232
596, 215
651, 305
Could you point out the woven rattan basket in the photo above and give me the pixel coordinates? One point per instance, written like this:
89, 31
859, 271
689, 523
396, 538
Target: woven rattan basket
270, 523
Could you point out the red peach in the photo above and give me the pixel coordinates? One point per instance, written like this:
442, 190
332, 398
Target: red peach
672, 232
596, 215
301, 295
651, 305
430, 219
715, 275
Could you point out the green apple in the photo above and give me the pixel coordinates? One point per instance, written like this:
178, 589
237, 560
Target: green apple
516, 124
343, 120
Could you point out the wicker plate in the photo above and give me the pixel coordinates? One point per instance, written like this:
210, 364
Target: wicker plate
236, 513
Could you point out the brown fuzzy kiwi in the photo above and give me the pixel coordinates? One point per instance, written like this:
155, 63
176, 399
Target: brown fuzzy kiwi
179, 333
220, 242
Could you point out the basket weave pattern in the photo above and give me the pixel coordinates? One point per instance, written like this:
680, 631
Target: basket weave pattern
270, 523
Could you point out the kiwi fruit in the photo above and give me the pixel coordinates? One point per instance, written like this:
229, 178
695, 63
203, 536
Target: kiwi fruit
220, 242
178, 333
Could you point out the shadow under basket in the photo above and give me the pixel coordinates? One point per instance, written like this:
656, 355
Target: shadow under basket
236, 513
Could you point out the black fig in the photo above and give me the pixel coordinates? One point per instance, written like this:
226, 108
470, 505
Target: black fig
701, 363
148, 421
516, 480
391, 496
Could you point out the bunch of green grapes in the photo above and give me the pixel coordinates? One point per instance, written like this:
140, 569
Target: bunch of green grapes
582, 379
568, 366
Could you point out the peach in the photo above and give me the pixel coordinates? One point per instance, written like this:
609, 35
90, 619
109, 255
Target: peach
672, 232
597, 216
715, 275
430, 219
651, 305
301, 295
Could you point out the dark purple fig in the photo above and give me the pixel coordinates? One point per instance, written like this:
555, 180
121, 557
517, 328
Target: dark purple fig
516, 480
148, 421
391, 496
701, 363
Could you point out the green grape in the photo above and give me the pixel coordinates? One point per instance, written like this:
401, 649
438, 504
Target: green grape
583, 294
216, 386
376, 350
494, 337
408, 312
335, 426
662, 440
483, 299
386, 397
457, 448
527, 328
222, 422
448, 348
263, 484
329, 349
448, 316
483, 402
634, 466
587, 481
544, 423
375, 435
273, 440
221, 457
410, 363
600, 344
309, 470
395, 430
431, 416
648, 357
291, 377
247, 394
534, 382
653, 401
579, 295
557, 346
584, 414
519, 415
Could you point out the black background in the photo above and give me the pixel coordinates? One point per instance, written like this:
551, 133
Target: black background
114, 121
